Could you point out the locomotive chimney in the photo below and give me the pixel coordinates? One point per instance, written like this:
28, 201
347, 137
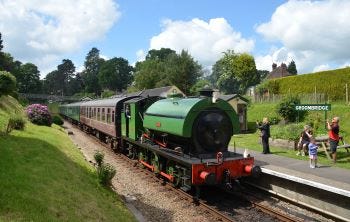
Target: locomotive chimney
206, 91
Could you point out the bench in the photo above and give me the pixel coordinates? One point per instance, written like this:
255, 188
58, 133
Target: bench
323, 141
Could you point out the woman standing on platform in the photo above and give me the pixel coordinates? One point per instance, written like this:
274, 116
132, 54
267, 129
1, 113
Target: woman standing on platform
265, 134
334, 137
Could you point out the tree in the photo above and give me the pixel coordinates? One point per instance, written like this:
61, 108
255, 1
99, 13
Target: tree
234, 73
115, 74
292, 68
65, 73
161, 54
1, 46
29, 79
262, 74
7, 83
286, 109
200, 84
92, 65
150, 74
182, 71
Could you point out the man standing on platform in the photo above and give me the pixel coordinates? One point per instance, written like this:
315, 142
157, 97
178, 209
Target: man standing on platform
265, 134
333, 133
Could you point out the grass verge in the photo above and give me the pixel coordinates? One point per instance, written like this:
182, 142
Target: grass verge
44, 177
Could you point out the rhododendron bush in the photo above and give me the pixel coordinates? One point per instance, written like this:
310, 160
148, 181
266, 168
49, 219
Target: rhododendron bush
39, 114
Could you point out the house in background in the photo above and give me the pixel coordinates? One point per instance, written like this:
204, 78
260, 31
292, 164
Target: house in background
239, 104
278, 72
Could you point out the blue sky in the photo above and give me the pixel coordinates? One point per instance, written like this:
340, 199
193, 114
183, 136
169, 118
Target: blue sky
313, 33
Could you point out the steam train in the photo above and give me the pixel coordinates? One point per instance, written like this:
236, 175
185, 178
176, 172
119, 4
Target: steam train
182, 139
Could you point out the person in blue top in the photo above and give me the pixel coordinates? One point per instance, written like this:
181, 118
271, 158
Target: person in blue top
313, 152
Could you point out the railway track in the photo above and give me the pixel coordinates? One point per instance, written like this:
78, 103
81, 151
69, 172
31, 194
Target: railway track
211, 210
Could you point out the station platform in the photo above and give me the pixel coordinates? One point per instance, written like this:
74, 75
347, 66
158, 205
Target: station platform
325, 177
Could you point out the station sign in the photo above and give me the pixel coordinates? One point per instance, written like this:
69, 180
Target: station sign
313, 107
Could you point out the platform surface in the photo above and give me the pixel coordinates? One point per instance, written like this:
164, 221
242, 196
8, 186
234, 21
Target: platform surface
328, 175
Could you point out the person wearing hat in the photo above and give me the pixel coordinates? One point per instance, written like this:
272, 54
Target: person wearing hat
333, 134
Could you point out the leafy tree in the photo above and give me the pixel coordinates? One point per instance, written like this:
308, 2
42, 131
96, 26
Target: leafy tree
75, 85
150, 74
28, 81
286, 109
262, 74
92, 65
200, 84
182, 71
161, 54
7, 83
115, 74
65, 73
234, 73
292, 68
1, 46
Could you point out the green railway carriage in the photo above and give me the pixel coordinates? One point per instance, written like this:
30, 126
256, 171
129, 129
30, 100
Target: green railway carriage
71, 111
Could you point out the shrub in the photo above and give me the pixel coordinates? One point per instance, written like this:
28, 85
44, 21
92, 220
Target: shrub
99, 158
7, 83
286, 109
15, 122
288, 131
105, 173
57, 120
39, 114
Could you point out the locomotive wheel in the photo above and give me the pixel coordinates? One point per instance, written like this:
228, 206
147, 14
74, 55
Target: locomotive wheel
171, 170
141, 157
155, 163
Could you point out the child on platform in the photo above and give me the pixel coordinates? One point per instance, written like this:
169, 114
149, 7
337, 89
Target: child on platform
313, 152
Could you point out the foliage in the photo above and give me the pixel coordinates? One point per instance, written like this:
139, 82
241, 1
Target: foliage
234, 73
1, 46
331, 82
57, 120
39, 114
292, 68
28, 79
182, 71
200, 84
7, 83
16, 122
98, 156
164, 67
107, 93
287, 131
92, 64
286, 109
105, 173
115, 74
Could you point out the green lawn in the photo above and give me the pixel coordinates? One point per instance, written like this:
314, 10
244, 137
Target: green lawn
251, 141
44, 177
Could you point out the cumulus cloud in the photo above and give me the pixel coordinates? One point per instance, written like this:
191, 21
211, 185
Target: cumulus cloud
205, 41
317, 32
42, 31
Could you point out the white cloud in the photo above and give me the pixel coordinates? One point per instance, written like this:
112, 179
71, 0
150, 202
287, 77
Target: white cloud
316, 32
42, 31
321, 68
205, 41
140, 55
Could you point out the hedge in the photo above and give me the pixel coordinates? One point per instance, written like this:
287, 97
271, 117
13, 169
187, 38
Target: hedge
331, 83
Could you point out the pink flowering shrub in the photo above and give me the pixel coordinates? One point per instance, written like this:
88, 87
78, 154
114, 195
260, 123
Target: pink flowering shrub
39, 114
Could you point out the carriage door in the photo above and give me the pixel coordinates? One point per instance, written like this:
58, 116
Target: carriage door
126, 122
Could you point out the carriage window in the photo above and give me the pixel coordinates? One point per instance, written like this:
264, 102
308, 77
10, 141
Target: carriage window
98, 114
108, 115
90, 112
103, 115
94, 115
112, 116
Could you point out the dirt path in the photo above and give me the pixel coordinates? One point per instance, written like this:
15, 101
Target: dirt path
147, 200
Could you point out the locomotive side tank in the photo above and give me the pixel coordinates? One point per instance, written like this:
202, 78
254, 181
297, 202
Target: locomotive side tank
206, 125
